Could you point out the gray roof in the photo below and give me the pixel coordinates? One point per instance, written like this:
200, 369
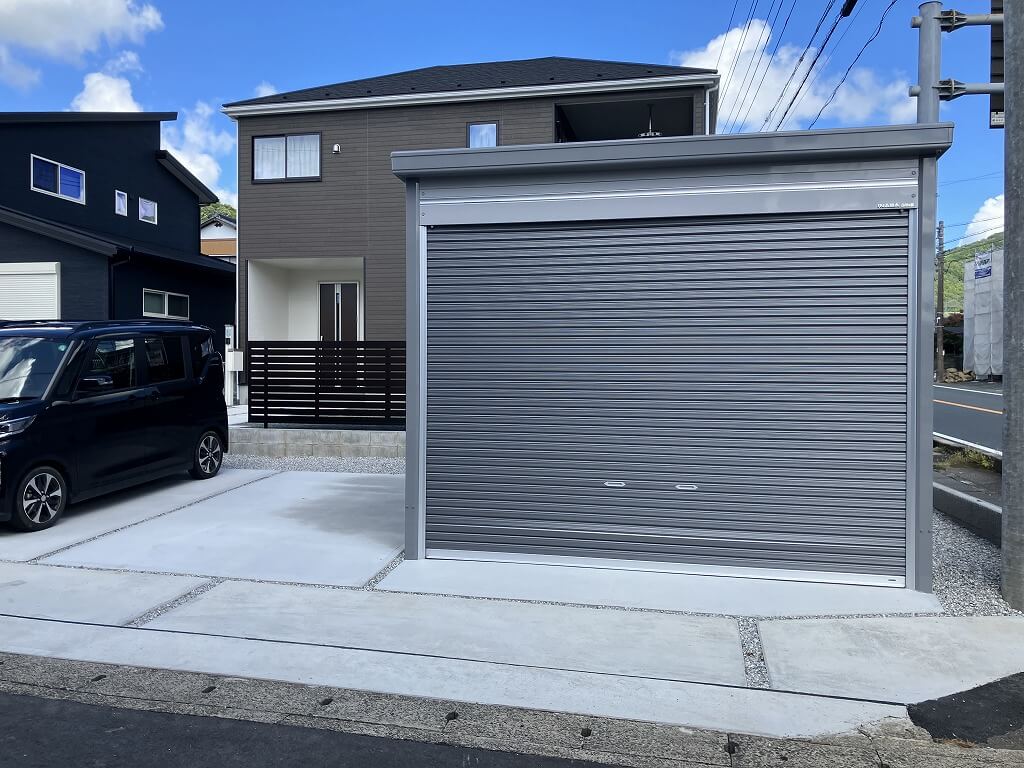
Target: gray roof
551, 70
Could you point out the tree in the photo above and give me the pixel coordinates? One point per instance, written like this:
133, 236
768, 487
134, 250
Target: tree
214, 208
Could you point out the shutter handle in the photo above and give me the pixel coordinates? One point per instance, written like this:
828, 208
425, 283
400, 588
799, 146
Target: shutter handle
615, 483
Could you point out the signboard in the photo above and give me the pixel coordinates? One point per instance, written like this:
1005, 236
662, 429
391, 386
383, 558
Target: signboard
996, 114
983, 265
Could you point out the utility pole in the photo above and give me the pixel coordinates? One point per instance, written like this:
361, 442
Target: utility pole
1013, 309
940, 305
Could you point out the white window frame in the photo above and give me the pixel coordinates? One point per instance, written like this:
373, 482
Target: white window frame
32, 178
156, 210
164, 314
118, 195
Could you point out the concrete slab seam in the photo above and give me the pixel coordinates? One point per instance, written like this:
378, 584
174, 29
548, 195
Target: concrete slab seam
168, 605
378, 577
146, 520
465, 659
754, 664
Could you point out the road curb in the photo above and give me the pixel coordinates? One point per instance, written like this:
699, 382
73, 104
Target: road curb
982, 517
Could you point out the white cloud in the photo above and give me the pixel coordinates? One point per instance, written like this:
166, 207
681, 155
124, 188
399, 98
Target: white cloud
105, 93
126, 62
265, 89
66, 29
196, 142
15, 73
987, 221
866, 96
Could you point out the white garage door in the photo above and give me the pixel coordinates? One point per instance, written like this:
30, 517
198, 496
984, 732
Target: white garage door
30, 291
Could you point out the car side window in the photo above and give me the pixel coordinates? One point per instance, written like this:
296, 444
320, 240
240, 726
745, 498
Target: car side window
165, 358
115, 358
200, 347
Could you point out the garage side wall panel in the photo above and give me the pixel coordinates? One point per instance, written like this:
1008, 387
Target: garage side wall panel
726, 391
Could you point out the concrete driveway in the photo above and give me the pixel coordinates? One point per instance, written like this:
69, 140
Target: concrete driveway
288, 576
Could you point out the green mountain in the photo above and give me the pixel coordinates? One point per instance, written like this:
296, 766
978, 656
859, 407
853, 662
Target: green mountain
955, 260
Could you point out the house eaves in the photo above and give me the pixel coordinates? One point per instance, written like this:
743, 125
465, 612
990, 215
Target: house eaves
480, 94
186, 177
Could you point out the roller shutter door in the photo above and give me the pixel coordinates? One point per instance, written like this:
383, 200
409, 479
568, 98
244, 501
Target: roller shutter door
713, 391
30, 291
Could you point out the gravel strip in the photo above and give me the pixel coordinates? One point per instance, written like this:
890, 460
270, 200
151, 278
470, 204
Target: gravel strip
369, 465
753, 654
967, 571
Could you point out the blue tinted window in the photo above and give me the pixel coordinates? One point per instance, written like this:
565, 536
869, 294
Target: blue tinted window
44, 175
71, 183
483, 135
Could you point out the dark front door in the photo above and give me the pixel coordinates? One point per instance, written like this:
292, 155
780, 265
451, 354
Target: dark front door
339, 312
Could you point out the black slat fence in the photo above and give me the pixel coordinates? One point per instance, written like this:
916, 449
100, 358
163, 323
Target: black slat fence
356, 383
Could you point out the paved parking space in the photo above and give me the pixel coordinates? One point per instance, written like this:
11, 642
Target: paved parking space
302, 527
551, 636
108, 513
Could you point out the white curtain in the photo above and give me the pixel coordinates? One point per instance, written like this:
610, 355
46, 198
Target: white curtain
268, 158
303, 156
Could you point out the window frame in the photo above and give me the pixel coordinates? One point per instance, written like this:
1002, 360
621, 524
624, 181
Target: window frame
165, 294
32, 178
286, 178
118, 194
156, 210
497, 132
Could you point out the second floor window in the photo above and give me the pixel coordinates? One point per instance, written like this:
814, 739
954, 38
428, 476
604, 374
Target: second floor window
52, 178
483, 135
147, 210
286, 157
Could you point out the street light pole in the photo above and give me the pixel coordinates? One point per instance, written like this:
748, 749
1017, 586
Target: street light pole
1013, 309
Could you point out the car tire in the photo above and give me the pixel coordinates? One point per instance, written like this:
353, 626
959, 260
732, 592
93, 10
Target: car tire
207, 456
40, 499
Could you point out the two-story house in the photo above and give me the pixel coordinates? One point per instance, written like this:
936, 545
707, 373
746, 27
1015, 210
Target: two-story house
322, 231
97, 223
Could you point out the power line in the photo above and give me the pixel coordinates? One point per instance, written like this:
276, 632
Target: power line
739, 49
810, 69
856, 58
725, 37
973, 221
980, 234
972, 178
762, 43
799, 61
778, 41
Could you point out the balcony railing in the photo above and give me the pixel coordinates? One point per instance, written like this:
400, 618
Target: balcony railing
358, 383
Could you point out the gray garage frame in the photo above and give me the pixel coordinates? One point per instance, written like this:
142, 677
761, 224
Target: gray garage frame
814, 173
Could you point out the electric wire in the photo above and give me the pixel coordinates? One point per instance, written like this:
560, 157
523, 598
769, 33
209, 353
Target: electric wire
796, 66
853, 63
778, 41
725, 37
739, 49
762, 44
810, 69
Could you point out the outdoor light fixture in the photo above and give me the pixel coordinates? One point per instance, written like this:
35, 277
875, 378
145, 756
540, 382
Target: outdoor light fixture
650, 133
336, 149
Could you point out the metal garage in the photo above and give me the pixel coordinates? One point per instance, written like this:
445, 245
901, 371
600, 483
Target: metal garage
697, 354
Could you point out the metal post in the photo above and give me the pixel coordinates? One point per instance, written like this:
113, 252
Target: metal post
1013, 309
929, 62
940, 305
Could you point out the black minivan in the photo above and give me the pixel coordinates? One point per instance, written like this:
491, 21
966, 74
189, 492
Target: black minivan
92, 407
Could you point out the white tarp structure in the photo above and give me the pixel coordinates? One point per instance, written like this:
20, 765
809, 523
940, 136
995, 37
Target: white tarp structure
983, 314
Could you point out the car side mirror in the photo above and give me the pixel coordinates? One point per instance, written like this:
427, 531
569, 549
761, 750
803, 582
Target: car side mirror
97, 382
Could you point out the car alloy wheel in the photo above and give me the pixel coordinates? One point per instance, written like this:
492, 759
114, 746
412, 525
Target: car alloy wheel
43, 497
210, 454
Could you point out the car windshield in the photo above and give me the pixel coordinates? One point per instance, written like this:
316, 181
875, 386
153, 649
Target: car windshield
27, 364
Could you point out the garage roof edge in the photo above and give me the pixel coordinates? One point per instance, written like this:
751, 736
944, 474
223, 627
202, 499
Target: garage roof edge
752, 148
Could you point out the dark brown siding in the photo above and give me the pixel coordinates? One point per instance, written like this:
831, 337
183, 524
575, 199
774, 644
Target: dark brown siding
358, 207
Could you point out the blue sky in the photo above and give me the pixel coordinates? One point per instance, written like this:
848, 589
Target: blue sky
191, 57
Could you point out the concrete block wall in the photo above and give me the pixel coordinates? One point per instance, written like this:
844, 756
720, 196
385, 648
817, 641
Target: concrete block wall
286, 442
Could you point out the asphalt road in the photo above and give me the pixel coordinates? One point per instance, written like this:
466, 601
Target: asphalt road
970, 414
46, 733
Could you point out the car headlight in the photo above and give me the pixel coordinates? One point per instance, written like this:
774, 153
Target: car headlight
15, 426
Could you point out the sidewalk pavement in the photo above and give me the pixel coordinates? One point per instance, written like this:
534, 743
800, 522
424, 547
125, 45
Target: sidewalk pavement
292, 577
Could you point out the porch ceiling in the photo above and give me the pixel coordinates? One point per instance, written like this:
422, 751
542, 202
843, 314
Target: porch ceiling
303, 262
